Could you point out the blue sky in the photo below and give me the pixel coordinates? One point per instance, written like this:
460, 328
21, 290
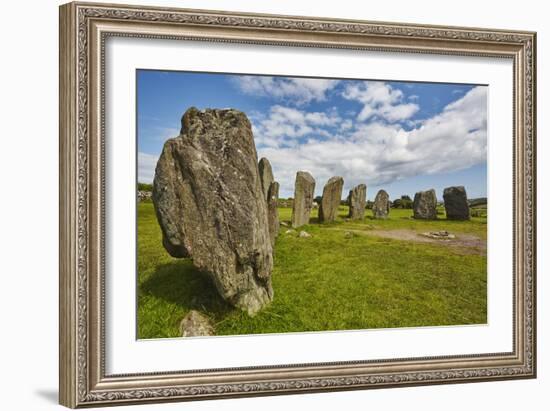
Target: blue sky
399, 136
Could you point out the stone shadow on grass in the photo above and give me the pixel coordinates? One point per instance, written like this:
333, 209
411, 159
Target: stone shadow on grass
181, 283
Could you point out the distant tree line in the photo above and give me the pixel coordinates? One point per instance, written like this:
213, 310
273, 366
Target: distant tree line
403, 202
285, 202
474, 202
144, 187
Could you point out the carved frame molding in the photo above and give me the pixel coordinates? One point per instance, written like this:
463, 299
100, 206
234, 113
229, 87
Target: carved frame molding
84, 28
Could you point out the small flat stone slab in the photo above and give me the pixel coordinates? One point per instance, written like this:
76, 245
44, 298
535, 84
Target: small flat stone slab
439, 235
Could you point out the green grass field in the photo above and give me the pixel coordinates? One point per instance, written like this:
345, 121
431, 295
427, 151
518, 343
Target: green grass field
345, 276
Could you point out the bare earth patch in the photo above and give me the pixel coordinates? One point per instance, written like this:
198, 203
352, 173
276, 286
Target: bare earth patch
462, 243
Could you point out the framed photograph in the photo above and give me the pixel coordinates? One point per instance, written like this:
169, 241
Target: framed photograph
259, 204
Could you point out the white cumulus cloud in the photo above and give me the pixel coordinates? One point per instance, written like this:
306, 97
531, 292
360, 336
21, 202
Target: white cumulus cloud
380, 100
283, 125
374, 152
296, 91
378, 153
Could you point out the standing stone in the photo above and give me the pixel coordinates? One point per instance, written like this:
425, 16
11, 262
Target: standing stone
273, 212
332, 195
381, 205
425, 205
270, 190
456, 203
304, 189
357, 201
210, 206
266, 176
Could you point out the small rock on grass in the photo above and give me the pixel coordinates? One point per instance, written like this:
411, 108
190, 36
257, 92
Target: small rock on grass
439, 235
290, 231
304, 234
195, 324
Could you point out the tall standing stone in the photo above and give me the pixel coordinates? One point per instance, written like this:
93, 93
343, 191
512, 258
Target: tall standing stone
332, 195
456, 203
304, 189
425, 205
357, 201
381, 205
273, 212
270, 189
210, 205
266, 176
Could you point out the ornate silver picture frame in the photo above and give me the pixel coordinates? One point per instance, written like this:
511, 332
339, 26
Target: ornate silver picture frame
84, 30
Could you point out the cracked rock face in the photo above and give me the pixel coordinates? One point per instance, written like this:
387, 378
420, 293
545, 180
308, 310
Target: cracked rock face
332, 195
425, 205
357, 201
304, 189
272, 211
456, 203
381, 205
210, 205
266, 176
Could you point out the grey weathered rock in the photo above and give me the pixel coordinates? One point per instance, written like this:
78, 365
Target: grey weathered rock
439, 235
195, 324
144, 195
304, 188
357, 201
348, 235
304, 234
456, 203
266, 176
210, 205
332, 195
381, 205
425, 205
272, 211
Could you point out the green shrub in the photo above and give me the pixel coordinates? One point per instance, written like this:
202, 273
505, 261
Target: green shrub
144, 187
404, 202
474, 202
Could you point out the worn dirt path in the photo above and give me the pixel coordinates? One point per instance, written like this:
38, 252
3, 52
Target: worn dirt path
462, 243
